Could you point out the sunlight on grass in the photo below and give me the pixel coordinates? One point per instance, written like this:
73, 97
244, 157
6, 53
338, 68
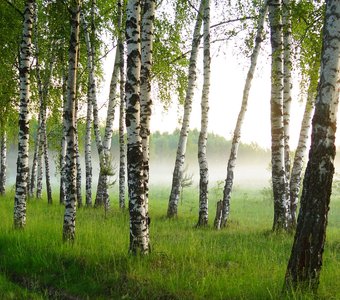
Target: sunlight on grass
244, 261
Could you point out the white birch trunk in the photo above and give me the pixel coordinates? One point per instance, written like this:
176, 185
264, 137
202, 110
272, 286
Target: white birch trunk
202, 141
23, 146
300, 154
88, 161
139, 222
122, 147
277, 131
287, 91
70, 126
3, 162
183, 138
304, 266
237, 131
62, 191
147, 36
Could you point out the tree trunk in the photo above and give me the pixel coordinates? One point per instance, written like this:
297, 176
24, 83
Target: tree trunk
88, 161
287, 95
35, 160
70, 126
300, 153
122, 147
202, 141
47, 170
22, 162
147, 36
139, 237
304, 266
277, 132
62, 191
183, 138
78, 180
237, 131
3, 162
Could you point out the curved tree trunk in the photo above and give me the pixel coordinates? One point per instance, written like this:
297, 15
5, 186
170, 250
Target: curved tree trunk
287, 89
122, 147
202, 141
300, 153
70, 126
139, 237
3, 162
237, 131
304, 266
183, 138
277, 131
22, 162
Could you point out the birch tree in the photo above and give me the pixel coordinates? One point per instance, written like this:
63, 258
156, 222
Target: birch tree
181, 149
139, 222
3, 161
147, 36
122, 147
70, 126
221, 219
304, 266
202, 141
287, 90
24, 78
277, 130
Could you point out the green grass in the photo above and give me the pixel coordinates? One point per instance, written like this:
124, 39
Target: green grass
244, 261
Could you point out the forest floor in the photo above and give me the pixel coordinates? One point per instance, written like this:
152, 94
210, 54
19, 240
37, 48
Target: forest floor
244, 261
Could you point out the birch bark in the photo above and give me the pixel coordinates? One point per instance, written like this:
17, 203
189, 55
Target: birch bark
147, 36
139, 233
122, 147
62, 191
305, 262
70, 124
181, 149
287, 92
202, 141
88, 161
3, 162
300, 154
21, 187
277, 130
237, 131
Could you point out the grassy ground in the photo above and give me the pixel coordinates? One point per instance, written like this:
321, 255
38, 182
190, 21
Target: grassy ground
244, 261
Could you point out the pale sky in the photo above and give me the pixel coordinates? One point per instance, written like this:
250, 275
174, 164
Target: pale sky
228, 73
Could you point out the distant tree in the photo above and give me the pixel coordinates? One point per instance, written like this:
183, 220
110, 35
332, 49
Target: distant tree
202, 141
222, 215
182, 143
304, 266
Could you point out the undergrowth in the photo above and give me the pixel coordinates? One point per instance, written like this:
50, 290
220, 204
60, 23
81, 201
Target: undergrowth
243, 261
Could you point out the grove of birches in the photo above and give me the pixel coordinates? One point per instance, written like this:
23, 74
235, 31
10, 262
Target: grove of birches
51, 68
